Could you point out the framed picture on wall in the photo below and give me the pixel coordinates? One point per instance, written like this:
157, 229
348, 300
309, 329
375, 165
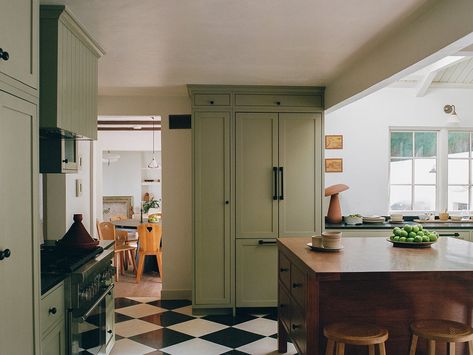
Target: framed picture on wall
334, 141
334, 165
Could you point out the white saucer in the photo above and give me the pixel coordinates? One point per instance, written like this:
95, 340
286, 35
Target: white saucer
323, 249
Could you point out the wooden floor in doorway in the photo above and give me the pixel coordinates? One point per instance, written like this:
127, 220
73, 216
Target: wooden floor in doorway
149, 286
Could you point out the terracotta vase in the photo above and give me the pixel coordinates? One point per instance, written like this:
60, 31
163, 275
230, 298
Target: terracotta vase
77, 236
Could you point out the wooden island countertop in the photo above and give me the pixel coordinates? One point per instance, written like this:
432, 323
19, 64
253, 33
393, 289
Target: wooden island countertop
371, 281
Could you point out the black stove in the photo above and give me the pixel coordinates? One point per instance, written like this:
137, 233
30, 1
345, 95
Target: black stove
56, 259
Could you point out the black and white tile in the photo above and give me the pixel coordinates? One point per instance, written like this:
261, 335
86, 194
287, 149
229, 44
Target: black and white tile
152, 327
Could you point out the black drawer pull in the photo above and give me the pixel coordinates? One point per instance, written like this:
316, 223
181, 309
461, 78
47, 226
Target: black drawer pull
278, 103
297, 285
295, 326
109, 331
284, 269
52, 310
4, 55
262, 242
65, 161
211, 102
449, 235
5, 254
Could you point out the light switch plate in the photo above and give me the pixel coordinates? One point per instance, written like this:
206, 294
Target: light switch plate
78, 187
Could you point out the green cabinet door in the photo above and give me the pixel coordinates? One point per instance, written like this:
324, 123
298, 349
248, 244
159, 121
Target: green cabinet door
256, 273
18, 188
54, 343
256, 154
212, 242
300, 136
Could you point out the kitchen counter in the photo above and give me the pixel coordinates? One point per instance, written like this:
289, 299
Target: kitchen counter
432, 226
371, 281
49, 280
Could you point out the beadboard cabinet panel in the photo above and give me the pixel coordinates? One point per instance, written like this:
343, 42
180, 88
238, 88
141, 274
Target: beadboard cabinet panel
19, 38
69, 71
300, 136
256, 156
212, 249
18, 189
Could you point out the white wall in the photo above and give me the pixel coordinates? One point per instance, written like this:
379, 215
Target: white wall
365, 128
61, 201
123, 178
176, 184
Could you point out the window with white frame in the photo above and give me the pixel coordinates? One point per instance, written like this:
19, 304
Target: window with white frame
459, 170
413, 171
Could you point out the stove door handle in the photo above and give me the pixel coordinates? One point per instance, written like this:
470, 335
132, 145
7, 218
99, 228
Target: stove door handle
86, 315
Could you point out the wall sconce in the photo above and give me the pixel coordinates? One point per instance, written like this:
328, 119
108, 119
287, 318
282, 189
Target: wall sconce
450, 110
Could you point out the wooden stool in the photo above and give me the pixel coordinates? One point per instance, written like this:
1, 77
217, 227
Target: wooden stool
353, 333
446, 331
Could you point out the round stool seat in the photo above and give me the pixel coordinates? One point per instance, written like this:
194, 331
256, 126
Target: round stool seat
356, 333
442, 330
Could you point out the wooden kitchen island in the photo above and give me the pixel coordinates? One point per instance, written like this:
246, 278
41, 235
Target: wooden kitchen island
371, 281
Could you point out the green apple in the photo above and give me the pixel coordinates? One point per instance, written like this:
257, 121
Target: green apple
432, 238
396, 238
425, 238
402, 239
421, 233
412, 235
403, 234
418, 239
408, 228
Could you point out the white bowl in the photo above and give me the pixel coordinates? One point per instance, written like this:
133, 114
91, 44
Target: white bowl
353, 220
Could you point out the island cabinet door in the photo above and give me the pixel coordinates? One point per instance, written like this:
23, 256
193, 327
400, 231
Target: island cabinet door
18, 182
212, 243
300, 174
255, 175
256, 273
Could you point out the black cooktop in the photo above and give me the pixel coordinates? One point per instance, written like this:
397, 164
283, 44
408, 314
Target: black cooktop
55, 259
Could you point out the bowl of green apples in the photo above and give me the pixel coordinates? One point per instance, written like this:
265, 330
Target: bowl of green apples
412, 236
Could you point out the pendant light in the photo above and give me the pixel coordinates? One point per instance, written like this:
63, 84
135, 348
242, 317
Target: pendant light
153, 164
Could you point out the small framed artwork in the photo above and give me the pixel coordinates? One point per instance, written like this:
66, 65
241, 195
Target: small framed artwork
334, 141
334, 165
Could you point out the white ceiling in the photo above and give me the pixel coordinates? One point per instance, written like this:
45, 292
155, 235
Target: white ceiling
160, 46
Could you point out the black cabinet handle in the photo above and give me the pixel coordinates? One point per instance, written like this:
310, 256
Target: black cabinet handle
284, 269
52, 310
295, 326
65, 161
263, 242
449, 235
227, 202
278, 103
281, 170
4, 254
296, 285
275, 175
212, 102
4, 55
109, 331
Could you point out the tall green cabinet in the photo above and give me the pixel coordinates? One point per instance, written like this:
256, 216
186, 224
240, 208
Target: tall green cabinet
257, 176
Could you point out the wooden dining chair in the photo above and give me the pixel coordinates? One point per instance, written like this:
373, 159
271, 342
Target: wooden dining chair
149, 243
107, 231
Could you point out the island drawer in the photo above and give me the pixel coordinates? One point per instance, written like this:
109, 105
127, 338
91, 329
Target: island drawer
284, 270
284, 307
299, 329
212, 99
278, 100
52, 307
298, 286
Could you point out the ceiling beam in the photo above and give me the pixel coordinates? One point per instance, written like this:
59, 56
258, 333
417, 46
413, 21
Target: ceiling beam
135, 123
128, 129
438, 29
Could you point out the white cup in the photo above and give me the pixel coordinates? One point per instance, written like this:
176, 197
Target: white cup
332, 240
396, 217
317, 241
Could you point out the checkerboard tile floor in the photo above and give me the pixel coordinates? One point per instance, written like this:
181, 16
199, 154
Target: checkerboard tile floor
151, 326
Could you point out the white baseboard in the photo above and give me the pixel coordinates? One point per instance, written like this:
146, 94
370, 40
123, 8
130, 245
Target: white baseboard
176, 295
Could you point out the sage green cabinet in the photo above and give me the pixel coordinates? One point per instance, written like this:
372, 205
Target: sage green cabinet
19, 44
278, 176
212, 241
257, 176
53, 330
256, 282
19, 246
68, 70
